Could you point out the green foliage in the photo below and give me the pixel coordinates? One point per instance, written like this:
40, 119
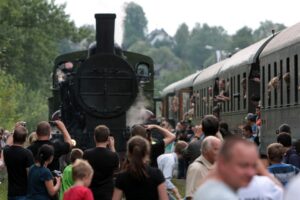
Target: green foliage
135, 24
242, 38
10, 95
265, 29
181, 38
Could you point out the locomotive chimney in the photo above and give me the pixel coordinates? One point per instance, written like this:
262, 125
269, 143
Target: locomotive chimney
105, 30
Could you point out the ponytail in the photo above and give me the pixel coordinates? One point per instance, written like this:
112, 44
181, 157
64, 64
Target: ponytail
45, 152
137, 152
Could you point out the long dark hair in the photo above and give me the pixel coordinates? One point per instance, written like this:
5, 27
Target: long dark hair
138, 150
44, 153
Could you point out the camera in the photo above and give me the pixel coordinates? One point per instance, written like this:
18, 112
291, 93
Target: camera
52, 123
57, 173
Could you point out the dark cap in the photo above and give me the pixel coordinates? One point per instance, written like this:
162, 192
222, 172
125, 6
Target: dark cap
251, 117
284, 128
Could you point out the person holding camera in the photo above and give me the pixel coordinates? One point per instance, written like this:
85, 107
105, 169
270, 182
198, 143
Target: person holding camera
43, 132
157, 147
104, 161
40, 180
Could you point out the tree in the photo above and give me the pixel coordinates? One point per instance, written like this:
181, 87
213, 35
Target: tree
135, 24
242, 38
181, 38
265, 29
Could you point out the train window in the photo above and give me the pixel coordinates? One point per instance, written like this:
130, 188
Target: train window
234, 106
281, 83
228, 89
275, 84
269, 86
231, 89
296, 77
287, 78
263, 86
238, 91
244, 87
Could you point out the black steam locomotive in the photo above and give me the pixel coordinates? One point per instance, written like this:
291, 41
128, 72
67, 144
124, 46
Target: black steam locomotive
99, 85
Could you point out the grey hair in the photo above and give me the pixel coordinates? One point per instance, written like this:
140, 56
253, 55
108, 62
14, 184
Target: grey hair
207, 143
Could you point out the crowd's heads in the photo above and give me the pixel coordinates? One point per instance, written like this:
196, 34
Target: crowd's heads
101, 133
285, 139
210, 125
180, 147
275, 152
138, 151
210, 148
45, 153
236, 163
20, 134
76, 153
139, 130
251, 117
82, 170
284, 128
43, 129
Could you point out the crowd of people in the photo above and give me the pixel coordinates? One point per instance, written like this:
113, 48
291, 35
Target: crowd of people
215, 164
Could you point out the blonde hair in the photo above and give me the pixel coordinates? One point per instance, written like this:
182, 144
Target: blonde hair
81, 169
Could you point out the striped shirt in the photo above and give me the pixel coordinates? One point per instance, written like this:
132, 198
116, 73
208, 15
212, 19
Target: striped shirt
283, 172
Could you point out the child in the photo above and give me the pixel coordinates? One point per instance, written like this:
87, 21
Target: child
40, 179
67, 180
82, 175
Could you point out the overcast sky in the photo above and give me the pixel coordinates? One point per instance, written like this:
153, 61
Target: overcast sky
169, 14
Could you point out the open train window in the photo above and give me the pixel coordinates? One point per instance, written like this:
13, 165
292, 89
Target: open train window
296, 78
281, 83
269, 86
275, 87
263, 86
287, 78
231, 89
228, 91
244, 87
238, 92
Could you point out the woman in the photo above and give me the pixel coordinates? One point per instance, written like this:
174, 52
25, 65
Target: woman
138, 180
40, 179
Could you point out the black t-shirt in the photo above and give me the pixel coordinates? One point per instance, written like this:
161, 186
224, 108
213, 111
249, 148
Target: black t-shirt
60, 148
193, 151
17, 159
104, 163
157, 149
140, 189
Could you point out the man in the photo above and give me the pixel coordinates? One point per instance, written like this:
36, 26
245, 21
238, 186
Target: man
43, 132
291, 156
209, 126
157, 147
17, 160
104, 162
167, 164
235, 167
202, 165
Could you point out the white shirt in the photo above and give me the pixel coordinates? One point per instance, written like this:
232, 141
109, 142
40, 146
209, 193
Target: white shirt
261, 188
292, 190
167, 163
215, 190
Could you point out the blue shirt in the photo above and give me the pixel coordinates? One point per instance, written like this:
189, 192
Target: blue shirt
36, 183
283, 172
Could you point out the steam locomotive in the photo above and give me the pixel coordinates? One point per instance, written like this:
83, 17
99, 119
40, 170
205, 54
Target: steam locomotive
99, 86
265, 73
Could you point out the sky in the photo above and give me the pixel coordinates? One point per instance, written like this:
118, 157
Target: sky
169, 14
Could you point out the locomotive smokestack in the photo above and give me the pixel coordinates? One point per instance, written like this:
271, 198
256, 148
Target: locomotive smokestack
105, 30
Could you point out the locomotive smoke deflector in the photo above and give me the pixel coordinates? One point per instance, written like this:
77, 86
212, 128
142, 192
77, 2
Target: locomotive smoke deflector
105, 30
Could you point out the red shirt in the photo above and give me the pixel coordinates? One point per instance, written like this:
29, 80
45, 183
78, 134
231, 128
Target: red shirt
78, 193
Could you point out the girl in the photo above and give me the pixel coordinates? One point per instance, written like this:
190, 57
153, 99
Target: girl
40, 179
138, 180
